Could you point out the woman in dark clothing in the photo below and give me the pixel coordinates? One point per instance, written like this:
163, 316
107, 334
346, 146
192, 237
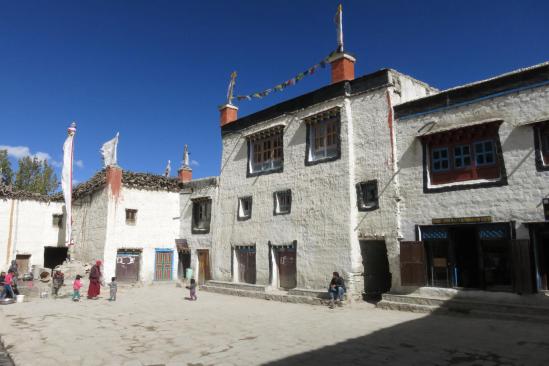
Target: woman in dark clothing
95, 281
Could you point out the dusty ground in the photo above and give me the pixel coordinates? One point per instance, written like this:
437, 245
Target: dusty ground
155, 325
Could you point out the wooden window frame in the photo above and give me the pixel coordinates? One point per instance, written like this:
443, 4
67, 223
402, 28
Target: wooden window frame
464, 177
440, 159
201, 207
266, 154
541, 145
323, 141
241, 213
461, 157
276, 197
361, 191
131, 216
484, 153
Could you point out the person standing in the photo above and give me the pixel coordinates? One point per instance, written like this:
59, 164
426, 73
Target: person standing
8, 289
336, 289
192, 290
76, 286
95, 281
113, 286
58, 280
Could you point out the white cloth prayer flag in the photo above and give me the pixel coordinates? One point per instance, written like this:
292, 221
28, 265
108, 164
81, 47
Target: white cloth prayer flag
108, 151
66, 180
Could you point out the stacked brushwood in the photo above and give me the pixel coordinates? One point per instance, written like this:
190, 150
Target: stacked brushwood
151, 182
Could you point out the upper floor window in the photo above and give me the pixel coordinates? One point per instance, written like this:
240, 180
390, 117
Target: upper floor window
266, 151
131, 216
282, 202
323, 136
367, 195
464, 154
244, 208
202, 211
541, 143
57, 220
440, 159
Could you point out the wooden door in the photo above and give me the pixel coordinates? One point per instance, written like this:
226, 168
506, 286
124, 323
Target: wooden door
163, 265
22, 261
412, 264
286, 260
523, 279
246, 265
203, 266
127, 266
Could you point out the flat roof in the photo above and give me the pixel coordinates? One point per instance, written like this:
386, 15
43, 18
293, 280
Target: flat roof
515, 80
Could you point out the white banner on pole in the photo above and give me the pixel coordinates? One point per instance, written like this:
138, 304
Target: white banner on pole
108, 151
66, 181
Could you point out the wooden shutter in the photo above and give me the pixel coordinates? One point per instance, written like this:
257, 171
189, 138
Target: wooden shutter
412, 264
523, 280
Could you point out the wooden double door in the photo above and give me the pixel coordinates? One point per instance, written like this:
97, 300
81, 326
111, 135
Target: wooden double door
128, 264
245, 257
163, 265
286, 263
203, 266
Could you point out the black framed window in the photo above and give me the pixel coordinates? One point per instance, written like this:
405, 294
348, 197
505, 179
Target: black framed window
57, 220
266, 153
367, 195
541, 144
282, 202
131, 216
323, 137
202, 211
244, 208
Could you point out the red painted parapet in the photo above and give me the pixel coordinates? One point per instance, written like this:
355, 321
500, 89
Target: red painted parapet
114, 180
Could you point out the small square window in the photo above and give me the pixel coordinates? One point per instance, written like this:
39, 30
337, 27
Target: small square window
131, 216
367, 195
244, 208
440, 161
57, 220
282, 202
462, 156
484, 153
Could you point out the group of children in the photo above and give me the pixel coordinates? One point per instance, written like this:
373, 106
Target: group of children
77, 285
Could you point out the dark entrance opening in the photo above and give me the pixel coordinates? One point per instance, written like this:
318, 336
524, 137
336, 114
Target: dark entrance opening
54, 256
184, 263
544, 260
377, 278
467, 257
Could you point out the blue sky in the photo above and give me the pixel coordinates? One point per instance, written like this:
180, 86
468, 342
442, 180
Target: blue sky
155, 71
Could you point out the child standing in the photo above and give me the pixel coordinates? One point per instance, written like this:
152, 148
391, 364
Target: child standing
76, 286
113, 285
58, 279
192, 289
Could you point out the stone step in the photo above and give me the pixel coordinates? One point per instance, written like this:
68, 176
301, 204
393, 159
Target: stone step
465, 305
403, 306
236, 285
265, 295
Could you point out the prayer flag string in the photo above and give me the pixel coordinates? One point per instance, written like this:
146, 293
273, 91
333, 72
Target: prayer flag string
278, 88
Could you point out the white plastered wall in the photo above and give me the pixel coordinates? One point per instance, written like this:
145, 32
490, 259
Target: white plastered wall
32, 229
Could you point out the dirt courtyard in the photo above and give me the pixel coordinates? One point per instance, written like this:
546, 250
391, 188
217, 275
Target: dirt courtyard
155, 325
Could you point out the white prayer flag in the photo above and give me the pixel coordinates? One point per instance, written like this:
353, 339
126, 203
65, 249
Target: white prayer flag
108, 151
66, 180
168, 169
339, 23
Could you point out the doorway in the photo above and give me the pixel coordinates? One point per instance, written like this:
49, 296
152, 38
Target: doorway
377, 278
23, 263
467, 258
285, 266
245, 260
203, 266
128, 263
163, 265
184, 263
54, 256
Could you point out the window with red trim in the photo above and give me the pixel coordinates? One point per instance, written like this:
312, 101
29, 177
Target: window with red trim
463, 154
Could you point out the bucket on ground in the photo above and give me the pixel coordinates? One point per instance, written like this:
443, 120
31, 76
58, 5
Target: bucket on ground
20, 298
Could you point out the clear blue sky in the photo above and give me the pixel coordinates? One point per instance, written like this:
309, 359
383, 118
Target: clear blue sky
156, 70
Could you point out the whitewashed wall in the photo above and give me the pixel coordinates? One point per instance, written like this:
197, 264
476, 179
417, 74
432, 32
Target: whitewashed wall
157, 226
520, 200
32, 229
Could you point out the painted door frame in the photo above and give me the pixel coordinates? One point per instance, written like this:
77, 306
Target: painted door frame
163, 250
